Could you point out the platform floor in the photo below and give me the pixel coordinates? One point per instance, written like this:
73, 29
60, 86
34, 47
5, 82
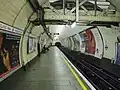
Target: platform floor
48, 72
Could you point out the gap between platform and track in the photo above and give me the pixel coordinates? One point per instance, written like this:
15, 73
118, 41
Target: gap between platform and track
76, 76
73, 69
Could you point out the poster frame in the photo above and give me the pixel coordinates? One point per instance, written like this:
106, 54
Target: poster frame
8, 29
116, 47
33, 46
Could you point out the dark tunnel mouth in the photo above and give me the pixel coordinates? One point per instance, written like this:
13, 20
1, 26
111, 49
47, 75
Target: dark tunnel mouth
58, 44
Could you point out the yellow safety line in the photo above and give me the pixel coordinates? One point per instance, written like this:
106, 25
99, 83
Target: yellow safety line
76, 76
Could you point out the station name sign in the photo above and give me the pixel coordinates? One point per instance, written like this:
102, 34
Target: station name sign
10, 28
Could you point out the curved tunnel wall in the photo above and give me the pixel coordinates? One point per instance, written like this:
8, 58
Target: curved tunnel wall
19, 54
96, 41
14, 15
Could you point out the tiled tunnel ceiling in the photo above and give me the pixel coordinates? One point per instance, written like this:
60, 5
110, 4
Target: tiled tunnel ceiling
89, 5
116, 3
102, 5
41, 2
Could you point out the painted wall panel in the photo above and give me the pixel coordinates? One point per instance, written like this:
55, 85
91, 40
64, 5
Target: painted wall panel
99, 43
110, 38
76, 42
82, 43
28, 56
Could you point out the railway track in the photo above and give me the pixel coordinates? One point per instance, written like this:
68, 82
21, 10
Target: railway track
99, 78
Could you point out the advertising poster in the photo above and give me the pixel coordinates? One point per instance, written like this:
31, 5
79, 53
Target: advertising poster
77, 42
31, 45
90, 42
82, 43
35, 44
70, 43
118, 54
9, 53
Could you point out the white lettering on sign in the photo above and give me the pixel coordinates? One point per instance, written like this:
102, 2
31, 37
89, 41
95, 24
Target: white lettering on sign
5, 27
10, 29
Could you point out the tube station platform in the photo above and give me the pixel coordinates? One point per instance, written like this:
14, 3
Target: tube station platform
50, 71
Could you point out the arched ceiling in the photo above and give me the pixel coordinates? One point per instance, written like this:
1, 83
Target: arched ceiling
17, 12
107, 14
41, 2
116, 3
91, 12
